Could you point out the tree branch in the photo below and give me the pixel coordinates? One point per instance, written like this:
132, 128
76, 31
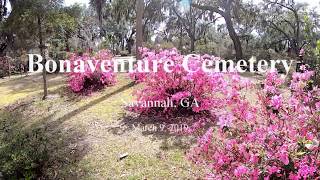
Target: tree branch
274, 26
282, 5
209, 8
182, 20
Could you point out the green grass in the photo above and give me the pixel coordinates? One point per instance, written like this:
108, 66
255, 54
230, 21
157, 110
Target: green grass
72, 137
19, 87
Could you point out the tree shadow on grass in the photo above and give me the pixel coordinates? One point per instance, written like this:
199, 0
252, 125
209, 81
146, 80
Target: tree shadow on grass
95, 102
171, 133
32, 83
33, 147
66, 93
6, 80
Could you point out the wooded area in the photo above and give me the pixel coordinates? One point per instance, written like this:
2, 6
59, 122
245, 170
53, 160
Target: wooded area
192, 26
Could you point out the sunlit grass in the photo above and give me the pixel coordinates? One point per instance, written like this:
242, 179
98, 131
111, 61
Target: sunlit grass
19, 87
66, 120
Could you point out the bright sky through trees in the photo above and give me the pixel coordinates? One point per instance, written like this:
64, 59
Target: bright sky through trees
70, 2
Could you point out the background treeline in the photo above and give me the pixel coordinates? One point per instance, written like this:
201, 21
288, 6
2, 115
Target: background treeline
232, 29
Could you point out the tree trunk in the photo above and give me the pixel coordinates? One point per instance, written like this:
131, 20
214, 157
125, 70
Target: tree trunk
129, 48
67, 43
3, 47
1, 10
180, 38
296, 15
139, 26
130, 42
122, 44
193, 30
192, 44
233, 35
113, 48
145, 32
44, 72
227, 17
9, 63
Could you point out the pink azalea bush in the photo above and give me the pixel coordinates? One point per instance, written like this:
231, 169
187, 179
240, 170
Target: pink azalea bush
276, 137
273, 133
178, 85
91, 81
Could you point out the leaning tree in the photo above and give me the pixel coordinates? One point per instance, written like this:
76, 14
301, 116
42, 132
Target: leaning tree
227, 9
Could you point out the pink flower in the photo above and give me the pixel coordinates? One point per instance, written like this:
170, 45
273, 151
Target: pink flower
284, 158
255, 174
276, 102
294, 176
273, 170
240, 171
303, 68
205, 141
225, 120
318, 106
306, 171
180, 95
254, 159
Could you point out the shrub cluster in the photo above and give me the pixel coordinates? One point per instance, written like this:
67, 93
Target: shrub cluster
202, 88
89, 81
276, 137
270, 134
23, 152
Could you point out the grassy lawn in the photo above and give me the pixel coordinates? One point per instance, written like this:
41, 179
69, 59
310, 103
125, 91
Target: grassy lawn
72, 137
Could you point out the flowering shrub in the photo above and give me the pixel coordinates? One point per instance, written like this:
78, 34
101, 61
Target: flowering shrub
276, 137
198, 88
90, 81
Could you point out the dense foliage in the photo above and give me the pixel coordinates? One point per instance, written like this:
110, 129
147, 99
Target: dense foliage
274, 134
179, 86
275, 137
